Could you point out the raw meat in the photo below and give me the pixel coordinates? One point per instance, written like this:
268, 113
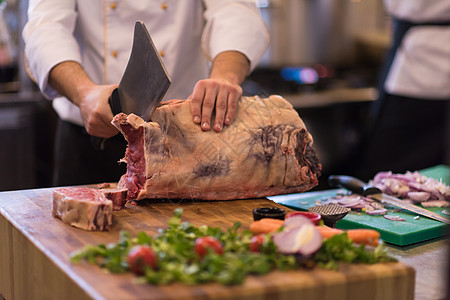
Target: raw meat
117, 196
265, 151
84, 208
110, 190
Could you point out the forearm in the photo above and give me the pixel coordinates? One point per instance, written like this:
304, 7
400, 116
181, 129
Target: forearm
70, 80
232, 66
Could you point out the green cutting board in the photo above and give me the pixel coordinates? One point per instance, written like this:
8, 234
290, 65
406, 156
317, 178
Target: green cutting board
395, 232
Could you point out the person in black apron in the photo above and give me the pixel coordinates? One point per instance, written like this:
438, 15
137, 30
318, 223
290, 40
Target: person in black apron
76, 152
404, 133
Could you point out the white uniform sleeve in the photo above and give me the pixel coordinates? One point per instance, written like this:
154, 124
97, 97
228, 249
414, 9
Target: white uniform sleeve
237, 26
50, 23
421, 67
419, 11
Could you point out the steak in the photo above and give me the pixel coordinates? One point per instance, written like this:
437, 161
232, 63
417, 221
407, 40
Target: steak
117, 196
84, 208
266, 151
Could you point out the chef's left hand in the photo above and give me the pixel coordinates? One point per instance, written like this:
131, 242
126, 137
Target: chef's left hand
221, 91
219, 94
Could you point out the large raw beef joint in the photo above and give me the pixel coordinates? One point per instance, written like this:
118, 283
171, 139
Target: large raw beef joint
266, 151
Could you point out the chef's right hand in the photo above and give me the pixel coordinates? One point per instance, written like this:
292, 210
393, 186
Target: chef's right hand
71, 81
96, 111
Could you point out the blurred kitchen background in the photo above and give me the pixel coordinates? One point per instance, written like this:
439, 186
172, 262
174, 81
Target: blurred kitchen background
324, 57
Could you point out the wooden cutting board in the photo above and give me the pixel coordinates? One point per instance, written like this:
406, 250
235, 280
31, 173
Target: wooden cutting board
35, 250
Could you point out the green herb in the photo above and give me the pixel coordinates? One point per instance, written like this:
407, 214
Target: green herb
178, 261
340, 249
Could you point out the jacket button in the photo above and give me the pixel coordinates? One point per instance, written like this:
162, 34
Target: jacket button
114, 53
164, 6
113, 6
162, 53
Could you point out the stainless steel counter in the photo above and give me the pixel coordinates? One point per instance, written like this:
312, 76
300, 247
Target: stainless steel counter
430, 260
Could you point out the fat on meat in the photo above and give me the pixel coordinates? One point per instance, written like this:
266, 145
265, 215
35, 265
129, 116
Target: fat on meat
83, 207
266, 151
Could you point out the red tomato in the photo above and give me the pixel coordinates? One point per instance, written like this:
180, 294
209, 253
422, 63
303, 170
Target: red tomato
202, 244
139, 257
256, 242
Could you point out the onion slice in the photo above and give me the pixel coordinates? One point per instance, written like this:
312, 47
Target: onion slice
394, 218
381, 211
296, 221
304, 240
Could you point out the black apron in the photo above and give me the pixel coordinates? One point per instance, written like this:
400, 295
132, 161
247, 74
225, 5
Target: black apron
403, 133
77, 161
400, 28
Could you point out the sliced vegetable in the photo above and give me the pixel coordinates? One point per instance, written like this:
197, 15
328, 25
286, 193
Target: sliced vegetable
266, 225
297, 221
177, 260
256, 242
140, 257
341, 249
313, 216
358, 236
364, 236
411, 185
304, 240
328, 232
373, 212
394, 218
205, 244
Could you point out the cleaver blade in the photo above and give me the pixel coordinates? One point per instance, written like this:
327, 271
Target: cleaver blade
145, 80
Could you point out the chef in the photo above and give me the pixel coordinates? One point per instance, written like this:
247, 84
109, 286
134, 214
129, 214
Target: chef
410, 129
77, 51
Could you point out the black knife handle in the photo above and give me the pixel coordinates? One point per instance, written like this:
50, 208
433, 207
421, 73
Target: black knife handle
114, 101
353, 184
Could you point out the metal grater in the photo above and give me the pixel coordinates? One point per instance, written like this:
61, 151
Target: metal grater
331, 213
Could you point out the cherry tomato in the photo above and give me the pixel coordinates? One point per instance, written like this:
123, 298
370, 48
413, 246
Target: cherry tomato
256, 242
139, 257
202, 244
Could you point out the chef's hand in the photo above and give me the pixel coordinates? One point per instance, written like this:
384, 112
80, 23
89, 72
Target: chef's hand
96, 111
213, 93
221, 91
71, 81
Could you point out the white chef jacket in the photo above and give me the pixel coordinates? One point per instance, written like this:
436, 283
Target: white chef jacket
421, 67
98, 35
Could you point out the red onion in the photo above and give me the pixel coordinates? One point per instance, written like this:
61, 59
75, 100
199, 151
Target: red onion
304, 240
412, 185
296, 221
436, 203
419, 196
349, 201
382, 211
394, 218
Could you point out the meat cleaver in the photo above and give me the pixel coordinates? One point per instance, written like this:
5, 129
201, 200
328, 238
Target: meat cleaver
359, 187
144, 82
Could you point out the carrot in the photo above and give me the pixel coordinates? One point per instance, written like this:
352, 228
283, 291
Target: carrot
358, 236
265, 225
328, 232
364, 236
273, 221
